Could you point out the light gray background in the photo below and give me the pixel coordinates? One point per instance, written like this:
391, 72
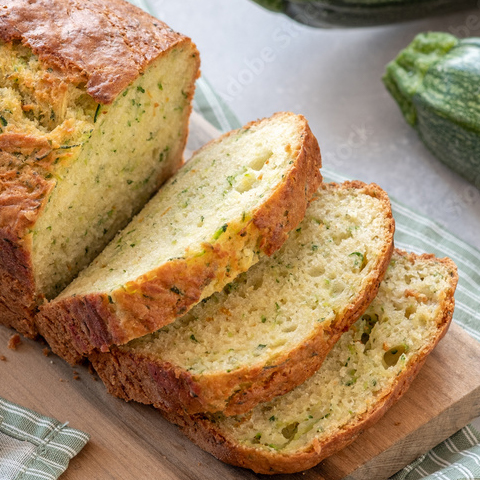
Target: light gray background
262, 62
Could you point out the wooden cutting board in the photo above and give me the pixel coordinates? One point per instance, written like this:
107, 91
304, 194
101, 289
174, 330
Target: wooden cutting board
132, 441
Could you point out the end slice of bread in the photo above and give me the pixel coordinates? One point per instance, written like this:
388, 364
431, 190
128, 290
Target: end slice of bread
271, 328
89, 130
235, 200
366, 372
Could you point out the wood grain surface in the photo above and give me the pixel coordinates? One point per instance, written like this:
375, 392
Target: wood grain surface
132, 441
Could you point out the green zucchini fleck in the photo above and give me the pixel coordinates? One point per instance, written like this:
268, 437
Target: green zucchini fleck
97, 111
221, 230
290, 430
66, 147
391, 357
359, 258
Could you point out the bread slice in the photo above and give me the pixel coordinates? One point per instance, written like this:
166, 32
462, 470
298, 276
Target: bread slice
236, 199
366, 372
271, 328
94, 105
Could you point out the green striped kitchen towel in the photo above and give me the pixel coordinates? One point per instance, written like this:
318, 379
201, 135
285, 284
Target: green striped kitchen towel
34, 447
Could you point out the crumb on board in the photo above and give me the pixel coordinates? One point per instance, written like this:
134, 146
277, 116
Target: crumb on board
92, 372
14, 341
76, 376
46, 351
3, 358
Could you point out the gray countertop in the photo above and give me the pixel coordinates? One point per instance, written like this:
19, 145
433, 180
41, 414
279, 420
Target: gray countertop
261, 62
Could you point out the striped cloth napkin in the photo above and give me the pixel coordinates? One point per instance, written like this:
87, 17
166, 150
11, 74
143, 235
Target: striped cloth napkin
33, 446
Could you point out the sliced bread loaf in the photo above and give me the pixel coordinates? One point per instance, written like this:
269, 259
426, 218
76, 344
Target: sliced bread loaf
236, 199
94, 106
366, 372
271, 328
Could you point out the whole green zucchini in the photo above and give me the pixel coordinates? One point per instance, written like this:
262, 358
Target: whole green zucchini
436, 83
362, 13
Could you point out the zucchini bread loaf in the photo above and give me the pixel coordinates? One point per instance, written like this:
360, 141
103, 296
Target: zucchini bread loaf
367, 371
94, 105
236, 199
271, 328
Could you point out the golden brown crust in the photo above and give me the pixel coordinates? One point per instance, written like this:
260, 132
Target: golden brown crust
156, 301
17, 295
25, 183
167, 292
109, 43
172, 387
23, 188
209, 436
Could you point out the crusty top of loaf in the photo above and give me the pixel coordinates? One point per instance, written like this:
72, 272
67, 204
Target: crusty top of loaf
104, 43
